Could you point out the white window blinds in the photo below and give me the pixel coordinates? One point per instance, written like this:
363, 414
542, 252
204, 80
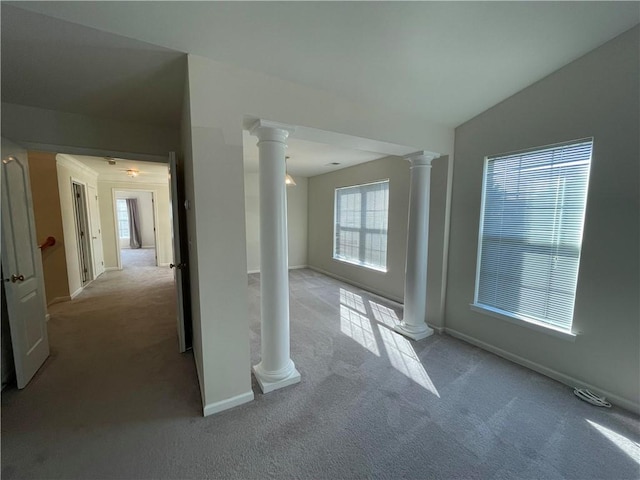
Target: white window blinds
360, 234
123, 218
533, 206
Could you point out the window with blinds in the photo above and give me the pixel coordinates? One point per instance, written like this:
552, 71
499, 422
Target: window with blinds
360, 219
532, 215
123, 218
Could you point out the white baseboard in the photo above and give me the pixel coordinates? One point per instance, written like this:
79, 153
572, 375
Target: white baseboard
59, 300
295, 267
549, 372
110, 269
76, 293
384, 295
148, 246
222, 405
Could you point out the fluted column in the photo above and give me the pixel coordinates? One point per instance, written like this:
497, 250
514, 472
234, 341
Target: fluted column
276, 369
415, 281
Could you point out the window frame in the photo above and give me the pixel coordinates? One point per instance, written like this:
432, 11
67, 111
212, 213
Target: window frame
362, 229
120, 221
514, 317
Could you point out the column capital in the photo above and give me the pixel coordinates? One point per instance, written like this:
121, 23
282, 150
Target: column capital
271, 131
421, 157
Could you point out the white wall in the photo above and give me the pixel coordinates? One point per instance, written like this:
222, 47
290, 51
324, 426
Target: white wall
220, 96
145, 212
70, 170
389, 284
597, 95
296, 221
106, 190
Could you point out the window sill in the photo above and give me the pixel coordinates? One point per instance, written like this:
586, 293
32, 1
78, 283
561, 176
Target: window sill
527, 323
361, 265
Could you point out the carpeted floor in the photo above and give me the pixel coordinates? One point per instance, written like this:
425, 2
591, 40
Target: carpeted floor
138, 257
116, 400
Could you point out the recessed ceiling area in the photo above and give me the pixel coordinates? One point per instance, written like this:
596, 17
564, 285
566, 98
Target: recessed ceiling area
307, 158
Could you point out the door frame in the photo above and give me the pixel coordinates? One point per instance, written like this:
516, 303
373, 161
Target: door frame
91, 218
154, 206
85, 219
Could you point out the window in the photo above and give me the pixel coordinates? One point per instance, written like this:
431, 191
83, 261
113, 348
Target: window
360, 234
123, 218
533, 206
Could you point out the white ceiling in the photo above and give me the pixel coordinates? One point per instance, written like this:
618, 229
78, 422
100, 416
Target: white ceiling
150, 172
443, 61
58, 65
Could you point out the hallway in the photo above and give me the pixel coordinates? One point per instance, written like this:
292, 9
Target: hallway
114, 369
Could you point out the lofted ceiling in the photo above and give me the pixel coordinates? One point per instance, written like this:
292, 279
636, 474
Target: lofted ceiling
56, 65
441, 61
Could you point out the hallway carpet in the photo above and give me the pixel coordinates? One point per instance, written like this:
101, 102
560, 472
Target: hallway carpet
117, 401
138, 257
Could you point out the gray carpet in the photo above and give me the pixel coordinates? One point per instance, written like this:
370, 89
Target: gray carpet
138, 257
117, 401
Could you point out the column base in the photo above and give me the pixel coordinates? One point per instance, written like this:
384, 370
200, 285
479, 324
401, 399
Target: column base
267, 384
413, 332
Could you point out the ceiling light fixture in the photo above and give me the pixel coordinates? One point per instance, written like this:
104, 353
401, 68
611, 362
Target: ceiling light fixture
133, 173
288, 179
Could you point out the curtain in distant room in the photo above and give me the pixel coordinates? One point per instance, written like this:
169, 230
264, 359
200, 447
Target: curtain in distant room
135, 240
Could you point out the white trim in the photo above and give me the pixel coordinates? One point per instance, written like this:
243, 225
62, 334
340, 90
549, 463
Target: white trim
111, 269
527, 323
76, 293
549, 372
164, 264
66, 298
47, 317
222, 405
154, 207
356, 284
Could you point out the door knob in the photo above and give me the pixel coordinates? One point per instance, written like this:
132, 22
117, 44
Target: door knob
179, 266
15, 278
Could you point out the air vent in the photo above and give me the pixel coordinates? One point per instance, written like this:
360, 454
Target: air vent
110, 160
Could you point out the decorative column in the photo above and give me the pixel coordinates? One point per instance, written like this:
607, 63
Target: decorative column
415, 280
276, 369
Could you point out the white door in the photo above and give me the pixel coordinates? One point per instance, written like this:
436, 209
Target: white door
22, 266
96, 232
179, 267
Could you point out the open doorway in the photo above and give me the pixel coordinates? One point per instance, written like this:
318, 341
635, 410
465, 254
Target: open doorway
136, 228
